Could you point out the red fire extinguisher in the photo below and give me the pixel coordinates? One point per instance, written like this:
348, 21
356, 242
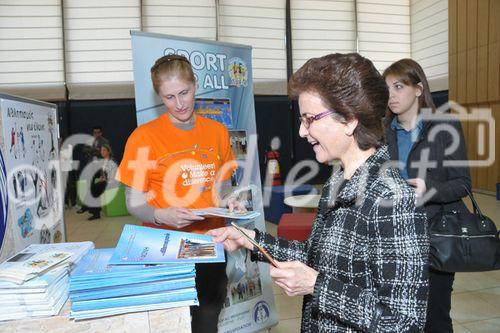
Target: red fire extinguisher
273, 167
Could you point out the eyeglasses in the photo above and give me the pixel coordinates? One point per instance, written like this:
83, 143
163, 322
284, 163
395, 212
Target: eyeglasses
169, 58
308, 120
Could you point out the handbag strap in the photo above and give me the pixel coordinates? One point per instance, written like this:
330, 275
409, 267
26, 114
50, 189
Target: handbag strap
477, 210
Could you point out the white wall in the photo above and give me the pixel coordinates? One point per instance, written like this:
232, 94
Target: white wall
429, 40
384, 31
31, 49
260, 24
94, 59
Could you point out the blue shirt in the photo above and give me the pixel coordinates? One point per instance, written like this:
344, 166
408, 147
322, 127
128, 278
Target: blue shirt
405, 140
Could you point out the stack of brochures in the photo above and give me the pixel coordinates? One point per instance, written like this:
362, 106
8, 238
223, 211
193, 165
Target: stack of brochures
35, 281
98, 289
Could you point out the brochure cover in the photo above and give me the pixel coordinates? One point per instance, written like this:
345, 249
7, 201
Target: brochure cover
215, 109
224, 212
77, 249
27, 265
142, 245
39, 259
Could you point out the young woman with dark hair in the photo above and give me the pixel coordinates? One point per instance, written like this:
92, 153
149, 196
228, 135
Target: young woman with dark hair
413, 137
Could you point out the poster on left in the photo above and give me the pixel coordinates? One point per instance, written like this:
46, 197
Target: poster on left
31, 200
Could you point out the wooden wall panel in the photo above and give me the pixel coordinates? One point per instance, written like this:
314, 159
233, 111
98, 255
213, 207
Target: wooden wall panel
482, 52
483, 14
471, 51
494, 52
462, 51
495, 175
494, 71
482, 74
452, 50
474, 74
471, 75
462, 77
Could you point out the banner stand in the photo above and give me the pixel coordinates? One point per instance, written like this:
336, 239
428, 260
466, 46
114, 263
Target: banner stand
31, 195
224, 93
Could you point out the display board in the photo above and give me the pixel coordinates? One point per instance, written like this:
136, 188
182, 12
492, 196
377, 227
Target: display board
31, 200
224, 84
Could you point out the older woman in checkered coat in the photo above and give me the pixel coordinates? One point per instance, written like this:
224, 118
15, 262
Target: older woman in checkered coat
364, 266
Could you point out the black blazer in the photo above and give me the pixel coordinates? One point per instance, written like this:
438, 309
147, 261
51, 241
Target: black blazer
449, 182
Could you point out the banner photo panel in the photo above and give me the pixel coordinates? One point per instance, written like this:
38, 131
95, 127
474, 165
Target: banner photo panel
31, 189
224, 93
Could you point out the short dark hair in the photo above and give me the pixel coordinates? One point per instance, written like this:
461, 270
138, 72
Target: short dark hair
97, 127
352, 86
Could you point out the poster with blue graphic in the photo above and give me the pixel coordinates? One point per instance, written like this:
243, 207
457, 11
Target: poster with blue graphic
224, 73
215, 109
31, 209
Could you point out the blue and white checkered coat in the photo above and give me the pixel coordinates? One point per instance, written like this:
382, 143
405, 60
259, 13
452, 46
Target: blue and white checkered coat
370, 246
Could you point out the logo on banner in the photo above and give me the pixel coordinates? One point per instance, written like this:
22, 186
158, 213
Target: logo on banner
261, 312
238, 72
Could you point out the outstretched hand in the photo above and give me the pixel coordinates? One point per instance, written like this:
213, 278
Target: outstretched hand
232, 238
176, 217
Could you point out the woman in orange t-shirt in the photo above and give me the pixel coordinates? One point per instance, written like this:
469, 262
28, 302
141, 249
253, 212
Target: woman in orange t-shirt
171, 165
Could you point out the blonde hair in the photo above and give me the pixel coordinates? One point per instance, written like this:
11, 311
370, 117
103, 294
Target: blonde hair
170, 66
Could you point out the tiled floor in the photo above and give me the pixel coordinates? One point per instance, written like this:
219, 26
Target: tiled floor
475, 301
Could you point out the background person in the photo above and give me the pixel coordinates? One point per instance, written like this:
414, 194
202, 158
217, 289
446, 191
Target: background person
92, 151
409, 141
170, 166
364, 266
104, 175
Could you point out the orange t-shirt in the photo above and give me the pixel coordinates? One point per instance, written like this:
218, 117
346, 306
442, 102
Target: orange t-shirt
178, 168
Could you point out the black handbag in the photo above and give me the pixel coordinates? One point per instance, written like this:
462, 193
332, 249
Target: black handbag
464, 241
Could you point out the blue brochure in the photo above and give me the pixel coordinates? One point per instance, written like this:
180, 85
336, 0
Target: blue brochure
94, 271
96, 265
136, 300
142, 245
88, 314
134, 289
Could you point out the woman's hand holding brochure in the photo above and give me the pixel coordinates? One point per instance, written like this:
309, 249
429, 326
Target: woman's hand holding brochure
236, 237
